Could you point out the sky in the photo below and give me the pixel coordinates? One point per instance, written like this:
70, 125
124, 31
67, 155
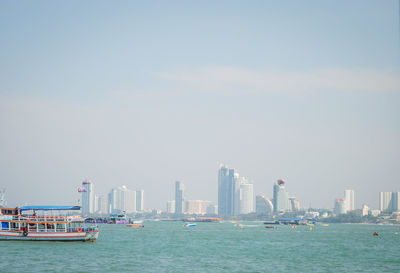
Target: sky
145, 93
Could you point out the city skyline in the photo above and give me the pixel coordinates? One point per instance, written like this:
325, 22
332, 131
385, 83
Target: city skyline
138, 94
387, 201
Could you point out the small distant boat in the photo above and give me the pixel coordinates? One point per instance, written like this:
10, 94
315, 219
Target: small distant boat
138, 222
135, 225
271, 222
189, 225
203, 219
270, 227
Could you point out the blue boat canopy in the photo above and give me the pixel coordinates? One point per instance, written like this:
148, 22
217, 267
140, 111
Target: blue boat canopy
50, 208
290, 219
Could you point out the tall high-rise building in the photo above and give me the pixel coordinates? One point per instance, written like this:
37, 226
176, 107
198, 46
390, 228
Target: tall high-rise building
140, 200
223, 197
340, 206
395, 204
281, 197
385, 200
264, 205
179, 197
229, 198
246, 197
349, 199
389, 201
87, 191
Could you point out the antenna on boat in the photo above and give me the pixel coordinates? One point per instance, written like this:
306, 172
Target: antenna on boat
3, 201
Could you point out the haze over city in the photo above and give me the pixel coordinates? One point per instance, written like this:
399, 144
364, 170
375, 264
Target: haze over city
142, 95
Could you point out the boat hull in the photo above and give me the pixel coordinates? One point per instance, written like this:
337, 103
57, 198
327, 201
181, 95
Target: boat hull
53, 236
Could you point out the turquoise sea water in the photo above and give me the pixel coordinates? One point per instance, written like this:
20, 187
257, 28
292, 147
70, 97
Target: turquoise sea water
213, 247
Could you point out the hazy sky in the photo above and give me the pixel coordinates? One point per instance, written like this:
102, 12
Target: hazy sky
144, 93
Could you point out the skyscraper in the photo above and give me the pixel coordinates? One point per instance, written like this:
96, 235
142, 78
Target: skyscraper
223, 191
229, 199
389, 201
349, 200
140, 200
87, 191
246, 198
395, 201
385, 200
179, 197
281, 197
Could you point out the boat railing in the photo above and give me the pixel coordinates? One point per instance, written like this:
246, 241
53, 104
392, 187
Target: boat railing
47, 219
59, 229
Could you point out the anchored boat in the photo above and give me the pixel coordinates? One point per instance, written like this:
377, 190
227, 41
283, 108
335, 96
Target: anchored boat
33, 223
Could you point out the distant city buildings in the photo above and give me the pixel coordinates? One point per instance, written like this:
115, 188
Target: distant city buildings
212, 210
365, 210
179, 197
264, 205
389, 201
124, 200
294, 204
171, 207
118, 200
196, 206
281, 197
346, 204
182, 206
101, 204
235, 194
340, 206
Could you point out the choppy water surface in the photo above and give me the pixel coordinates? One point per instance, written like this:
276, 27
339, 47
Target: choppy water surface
213, 247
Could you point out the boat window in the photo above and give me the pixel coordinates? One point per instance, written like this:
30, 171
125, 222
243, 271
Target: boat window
4, 225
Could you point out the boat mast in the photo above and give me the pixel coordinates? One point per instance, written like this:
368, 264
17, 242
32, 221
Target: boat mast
3, 201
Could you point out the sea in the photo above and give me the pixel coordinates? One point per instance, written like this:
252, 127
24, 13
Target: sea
162, 246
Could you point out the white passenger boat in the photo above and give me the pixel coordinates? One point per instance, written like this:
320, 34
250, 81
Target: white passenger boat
44, 223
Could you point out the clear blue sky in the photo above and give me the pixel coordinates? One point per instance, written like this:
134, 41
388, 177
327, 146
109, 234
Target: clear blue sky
143, 93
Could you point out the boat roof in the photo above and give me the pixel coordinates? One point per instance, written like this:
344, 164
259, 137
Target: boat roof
50, 208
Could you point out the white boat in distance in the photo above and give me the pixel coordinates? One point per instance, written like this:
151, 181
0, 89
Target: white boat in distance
24, 224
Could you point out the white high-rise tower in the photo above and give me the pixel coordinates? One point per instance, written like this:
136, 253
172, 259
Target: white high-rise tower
87, 191
349, 200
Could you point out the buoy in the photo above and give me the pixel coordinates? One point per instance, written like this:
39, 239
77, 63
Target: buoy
376, 233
